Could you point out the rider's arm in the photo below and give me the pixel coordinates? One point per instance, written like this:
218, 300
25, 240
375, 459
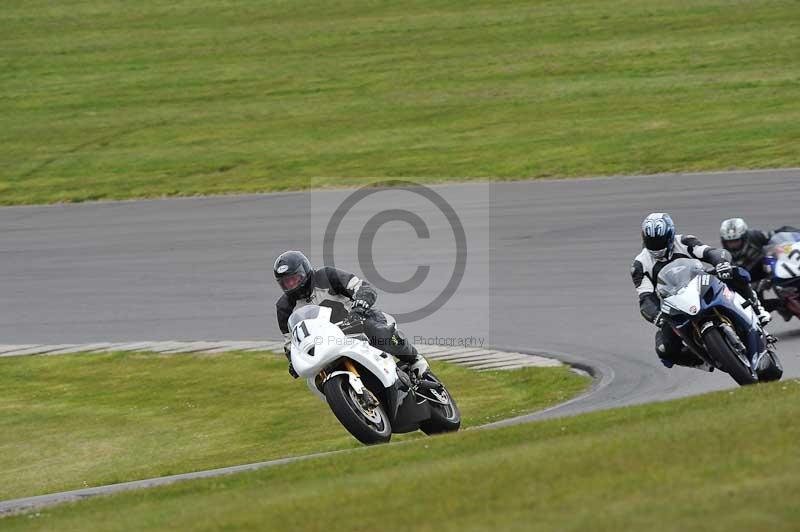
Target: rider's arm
649, 304
704, 252
284, 309
759, 238
347, 284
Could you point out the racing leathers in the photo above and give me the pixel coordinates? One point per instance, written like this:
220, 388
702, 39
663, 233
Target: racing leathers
346, 294
644, 272
751, 258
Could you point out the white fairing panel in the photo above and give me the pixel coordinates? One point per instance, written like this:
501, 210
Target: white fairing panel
787, 263
317, 343
687, 300
748, 310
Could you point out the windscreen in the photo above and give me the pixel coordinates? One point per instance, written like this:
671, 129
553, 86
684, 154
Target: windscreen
781, 239
308, 312
678, 274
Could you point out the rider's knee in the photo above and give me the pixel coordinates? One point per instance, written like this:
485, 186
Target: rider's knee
667, 362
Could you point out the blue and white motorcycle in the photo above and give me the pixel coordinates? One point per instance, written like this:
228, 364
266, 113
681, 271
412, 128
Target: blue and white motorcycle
782, 265
716, 324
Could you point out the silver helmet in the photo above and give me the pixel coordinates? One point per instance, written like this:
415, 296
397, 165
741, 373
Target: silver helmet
733, 235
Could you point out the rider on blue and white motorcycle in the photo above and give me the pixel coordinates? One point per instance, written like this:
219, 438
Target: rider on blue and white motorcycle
661, 246
746, 246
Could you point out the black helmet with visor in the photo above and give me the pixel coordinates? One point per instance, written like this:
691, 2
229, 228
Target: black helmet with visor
294, 274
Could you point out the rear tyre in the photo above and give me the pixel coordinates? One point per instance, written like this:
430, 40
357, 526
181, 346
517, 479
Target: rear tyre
725, 354
368, 424
444, 417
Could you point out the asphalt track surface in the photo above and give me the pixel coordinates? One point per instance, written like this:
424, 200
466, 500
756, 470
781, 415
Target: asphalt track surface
547, 269
550, 267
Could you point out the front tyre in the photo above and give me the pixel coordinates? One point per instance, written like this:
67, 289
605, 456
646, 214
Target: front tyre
368, 423
444, 417
725, 354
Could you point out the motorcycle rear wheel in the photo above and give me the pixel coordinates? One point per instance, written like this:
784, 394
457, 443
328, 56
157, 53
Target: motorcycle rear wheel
720, 350
370, 426
774, 371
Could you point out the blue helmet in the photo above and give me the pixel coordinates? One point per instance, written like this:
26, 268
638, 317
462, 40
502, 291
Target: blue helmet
658, 235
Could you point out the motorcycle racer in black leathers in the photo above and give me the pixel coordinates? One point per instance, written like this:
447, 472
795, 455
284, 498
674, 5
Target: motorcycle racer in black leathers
746, 246
661, 246
347, 296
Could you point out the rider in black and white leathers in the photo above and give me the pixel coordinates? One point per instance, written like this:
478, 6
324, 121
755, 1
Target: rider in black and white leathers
644, 273
645, 269
347, 296
747, 247
330, 287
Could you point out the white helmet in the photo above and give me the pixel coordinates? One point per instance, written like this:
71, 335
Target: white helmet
733, 234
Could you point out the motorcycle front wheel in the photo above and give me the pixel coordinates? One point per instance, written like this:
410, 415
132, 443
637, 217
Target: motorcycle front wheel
368, 423
721, 351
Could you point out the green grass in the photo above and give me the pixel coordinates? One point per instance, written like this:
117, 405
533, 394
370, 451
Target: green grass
69, 422
720, 462
112, 99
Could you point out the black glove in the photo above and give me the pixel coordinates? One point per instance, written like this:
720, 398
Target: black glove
360, 309
724, 270
292, 372
763, 284
361, 305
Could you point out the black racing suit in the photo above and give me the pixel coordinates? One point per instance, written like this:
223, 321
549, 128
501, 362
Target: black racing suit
751, 258
644, 272
336, 289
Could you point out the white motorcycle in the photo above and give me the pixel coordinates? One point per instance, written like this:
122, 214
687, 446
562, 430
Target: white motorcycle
370, 394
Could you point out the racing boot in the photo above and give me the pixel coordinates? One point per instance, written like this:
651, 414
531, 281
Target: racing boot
764, 317
416, 362
405, 351
420, 366
694, 364
684, 358
703, 366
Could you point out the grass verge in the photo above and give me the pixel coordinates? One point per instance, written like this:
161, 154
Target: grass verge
718, 462
84, 420
107, 100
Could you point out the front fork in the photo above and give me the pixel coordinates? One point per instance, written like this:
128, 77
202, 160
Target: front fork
727, 328
367, 399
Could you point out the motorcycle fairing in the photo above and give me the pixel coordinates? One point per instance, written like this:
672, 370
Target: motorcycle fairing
782, 258
317, 343
406, 409
701, 297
